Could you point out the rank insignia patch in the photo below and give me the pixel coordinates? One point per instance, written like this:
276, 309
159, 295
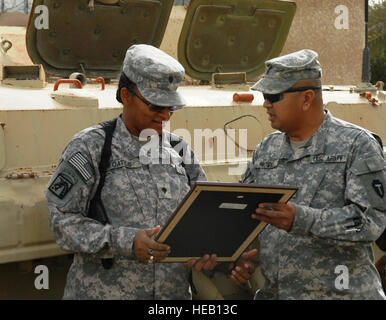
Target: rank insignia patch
164, 191
60, 186
378, 187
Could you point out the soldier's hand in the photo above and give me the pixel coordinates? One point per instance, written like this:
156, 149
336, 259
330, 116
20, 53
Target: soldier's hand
244, 268
146, 249
207, 262
280, 215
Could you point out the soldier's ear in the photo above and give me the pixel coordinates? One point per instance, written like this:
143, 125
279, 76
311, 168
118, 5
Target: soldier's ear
309, 97
126, 96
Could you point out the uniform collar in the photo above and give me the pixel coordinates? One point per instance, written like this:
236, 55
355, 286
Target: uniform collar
127, 142
314, 146
131, 145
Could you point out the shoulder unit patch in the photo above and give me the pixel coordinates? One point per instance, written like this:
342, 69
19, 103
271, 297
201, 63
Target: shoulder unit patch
60, 186
378, 187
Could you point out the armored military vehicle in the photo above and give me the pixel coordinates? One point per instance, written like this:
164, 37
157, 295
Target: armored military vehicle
64, 80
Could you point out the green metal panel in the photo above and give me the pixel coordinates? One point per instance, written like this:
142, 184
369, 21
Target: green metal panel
233, 36
94, 42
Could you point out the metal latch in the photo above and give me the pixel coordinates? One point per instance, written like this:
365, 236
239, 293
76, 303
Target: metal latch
230, 80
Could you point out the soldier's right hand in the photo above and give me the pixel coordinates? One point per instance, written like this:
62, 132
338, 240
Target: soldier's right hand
146, 249
244, 268
207, 262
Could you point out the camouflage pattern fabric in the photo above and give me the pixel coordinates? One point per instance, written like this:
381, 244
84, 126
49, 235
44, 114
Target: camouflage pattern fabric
156, 74
284, 71
136, 196
340, 210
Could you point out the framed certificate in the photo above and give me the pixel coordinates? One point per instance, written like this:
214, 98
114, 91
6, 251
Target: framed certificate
216, 218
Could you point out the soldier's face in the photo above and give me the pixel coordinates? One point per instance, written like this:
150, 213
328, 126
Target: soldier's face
284, 115
138, 116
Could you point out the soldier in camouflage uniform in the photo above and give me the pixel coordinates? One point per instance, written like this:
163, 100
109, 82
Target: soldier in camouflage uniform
141, 191
318, 246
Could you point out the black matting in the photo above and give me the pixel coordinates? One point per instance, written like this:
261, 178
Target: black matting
206, 228
224, 229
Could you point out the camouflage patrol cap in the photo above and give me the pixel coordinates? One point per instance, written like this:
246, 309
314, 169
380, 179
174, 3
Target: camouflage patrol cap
156, 74
283, 72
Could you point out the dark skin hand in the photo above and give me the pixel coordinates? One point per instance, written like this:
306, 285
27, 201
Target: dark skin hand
281, 216
244, 268
143, 242
239, 275
207, 262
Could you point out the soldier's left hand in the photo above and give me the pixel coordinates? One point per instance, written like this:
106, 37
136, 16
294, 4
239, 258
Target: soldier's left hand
244, 268
207, 262
280, 215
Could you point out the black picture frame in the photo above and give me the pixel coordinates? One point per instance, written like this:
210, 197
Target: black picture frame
215, 217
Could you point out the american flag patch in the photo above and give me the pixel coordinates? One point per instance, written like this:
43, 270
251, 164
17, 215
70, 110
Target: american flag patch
80, 163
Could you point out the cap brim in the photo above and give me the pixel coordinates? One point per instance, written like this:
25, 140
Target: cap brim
273, 86
163, 98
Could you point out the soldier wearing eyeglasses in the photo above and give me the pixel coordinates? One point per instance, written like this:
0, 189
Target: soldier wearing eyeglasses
119, 259
318, 246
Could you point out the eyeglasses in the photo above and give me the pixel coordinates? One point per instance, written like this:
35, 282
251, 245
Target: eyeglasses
155, 108
272, 98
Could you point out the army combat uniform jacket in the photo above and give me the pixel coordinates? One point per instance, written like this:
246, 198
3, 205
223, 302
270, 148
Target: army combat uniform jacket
136, 196
340, 210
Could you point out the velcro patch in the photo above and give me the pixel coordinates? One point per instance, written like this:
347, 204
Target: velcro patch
164, 191
60, 186
80, 163
329, 158
378, 187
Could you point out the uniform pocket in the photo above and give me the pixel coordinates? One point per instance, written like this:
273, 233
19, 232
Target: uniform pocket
126, 194
326, 180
